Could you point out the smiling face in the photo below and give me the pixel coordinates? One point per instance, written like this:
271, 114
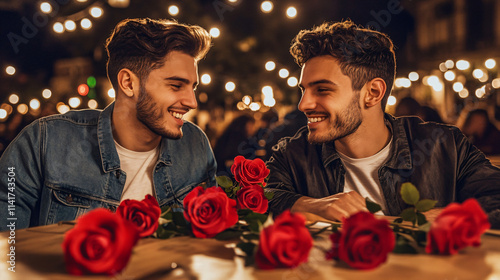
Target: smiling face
168, 94
328, 100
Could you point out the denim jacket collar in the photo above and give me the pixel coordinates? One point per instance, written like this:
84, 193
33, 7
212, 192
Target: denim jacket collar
109, 155
401, 160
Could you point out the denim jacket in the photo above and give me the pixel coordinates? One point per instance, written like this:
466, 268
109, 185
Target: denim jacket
65, 165
437, 159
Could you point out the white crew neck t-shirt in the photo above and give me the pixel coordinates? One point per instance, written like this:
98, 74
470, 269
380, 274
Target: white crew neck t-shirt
362, 175
139, 169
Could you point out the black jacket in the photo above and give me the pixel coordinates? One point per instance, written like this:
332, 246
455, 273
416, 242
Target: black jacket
438, 159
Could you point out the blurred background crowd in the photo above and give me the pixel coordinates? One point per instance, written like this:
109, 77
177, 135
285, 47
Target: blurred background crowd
52, 60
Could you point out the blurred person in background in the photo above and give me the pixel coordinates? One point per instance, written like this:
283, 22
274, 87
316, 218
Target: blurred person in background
482, 132
66, 165
234, 142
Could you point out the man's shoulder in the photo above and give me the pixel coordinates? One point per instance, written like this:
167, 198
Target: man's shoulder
191, 129
84, 117
298, 141
416, 124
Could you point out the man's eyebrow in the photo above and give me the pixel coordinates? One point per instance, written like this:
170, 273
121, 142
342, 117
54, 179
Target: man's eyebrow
322, 81
182, 80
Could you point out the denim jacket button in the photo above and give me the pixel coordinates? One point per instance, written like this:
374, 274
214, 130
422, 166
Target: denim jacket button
69, 198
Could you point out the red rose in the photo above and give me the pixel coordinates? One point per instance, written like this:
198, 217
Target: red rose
209, 211
100, 243
144, 214
457, 227
253, 198
249, 172
284, 244
363, 242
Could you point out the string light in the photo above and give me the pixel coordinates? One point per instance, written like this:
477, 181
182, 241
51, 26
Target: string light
266, 6
449, 64
246, 100
464, 93
267, 91
477, 73
74, 102
34, 104
173, 10
291, 12
92, 104
490, 63
214, 32
96, 12
462, 65
458, 86
10, 70
496, 83
62, 108
449, 75
206, 79
86, 24
254, 106
45, 7
3, 114
283, 73
292, 82
413, 76
13, 98
230, 86
392, 100
270, 65
46, 93
70, 25
111, 93
22, 109
58, 27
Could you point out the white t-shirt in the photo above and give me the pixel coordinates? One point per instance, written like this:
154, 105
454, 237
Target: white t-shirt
139, 169
362, 175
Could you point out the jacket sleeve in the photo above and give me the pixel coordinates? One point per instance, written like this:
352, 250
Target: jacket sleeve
280, 183
478, 178
21, 178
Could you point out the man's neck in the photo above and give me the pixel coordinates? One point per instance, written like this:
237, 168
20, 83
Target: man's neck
129, 132
371, 137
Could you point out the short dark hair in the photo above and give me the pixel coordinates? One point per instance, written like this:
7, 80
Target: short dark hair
140, 45
363, 54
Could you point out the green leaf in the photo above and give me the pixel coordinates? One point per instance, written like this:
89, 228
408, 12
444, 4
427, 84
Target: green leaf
255, 216
409, 193
425, 227
254, 226
251, 236
421, 219
178, 219
372, 206
398, 220
269, 195
409, 215
224, 181
228, 234
403, 246
425, 205
242, 213
247, 247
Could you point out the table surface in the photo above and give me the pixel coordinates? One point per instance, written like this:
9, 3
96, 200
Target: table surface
39, 255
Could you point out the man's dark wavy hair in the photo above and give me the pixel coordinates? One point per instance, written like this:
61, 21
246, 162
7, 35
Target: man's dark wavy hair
363, 54
140, 45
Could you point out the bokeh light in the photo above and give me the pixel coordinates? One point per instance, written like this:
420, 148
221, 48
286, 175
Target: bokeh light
45, 7
13, 98
10, 70
291, 12
490, 63
83, 89
173, 10
230, 86
292, 81
206, 79
35, 104
270, 65
283, 73
74, 102
22, 109
92, 104
266, 6
96, 12
391, 100
111, 93
413, 76
214, 32
58, 27
70, 25
86, 24
462, 64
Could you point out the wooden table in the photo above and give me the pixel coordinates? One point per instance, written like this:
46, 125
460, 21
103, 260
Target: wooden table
39, 256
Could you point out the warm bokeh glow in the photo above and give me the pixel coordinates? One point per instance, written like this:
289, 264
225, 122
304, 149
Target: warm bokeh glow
111, 93
92, 104
292, 82
449, 75
458, 86
391, 100
266, 6
10, 70
270, 65
413, 76
58, 27
230, 86
214, 32
70, 25
96, 12
86, 24
45, 7
463, 64
206, 79
74, 102
35, 104
14, 98
22, 109
464, 93
291, 12
283, 73
490, 63
173, 10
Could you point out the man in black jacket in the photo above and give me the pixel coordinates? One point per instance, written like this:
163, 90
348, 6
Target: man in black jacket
351, 149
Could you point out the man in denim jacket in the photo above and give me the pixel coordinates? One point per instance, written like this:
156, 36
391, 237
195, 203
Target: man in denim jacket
351, 149
61, 166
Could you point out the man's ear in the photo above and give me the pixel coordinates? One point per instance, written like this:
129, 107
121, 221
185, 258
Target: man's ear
375, 90
128, 82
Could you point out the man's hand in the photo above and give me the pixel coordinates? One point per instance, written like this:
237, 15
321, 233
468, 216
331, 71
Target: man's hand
334, 207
